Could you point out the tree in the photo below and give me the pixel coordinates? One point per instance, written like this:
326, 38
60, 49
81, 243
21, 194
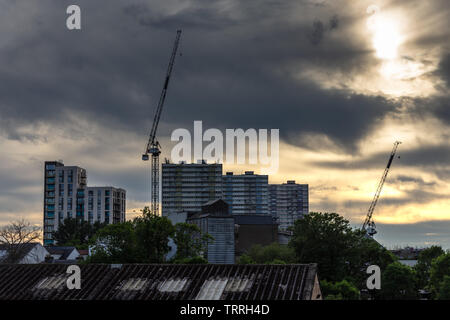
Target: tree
323, 238
440, 267
363, 253
342, 290
15, 237
444, 289
397, 282
423, 265
273, 253
189, 241
152, 236
115, 243
76, 232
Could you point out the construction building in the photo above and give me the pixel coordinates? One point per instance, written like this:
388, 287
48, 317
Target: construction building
186, 187
246, 193
288, 202
66, 195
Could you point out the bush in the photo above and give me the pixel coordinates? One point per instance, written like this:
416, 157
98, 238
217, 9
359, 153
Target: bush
342, 290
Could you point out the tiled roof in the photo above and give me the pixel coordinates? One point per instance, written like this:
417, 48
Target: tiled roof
23, 249
63, 251
159, 282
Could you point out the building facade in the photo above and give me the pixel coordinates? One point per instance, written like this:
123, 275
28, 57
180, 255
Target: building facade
106, 204
246, 193
66, 195
215, 219
185, 187
288, 202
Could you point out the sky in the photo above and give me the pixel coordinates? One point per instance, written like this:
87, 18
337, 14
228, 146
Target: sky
341, 80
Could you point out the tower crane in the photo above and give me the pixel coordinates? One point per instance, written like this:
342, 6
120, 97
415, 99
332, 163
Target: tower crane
153, 146
369, 224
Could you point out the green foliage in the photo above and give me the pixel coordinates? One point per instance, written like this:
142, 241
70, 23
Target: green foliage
444, 289
189, 241
152, 234
423, 265
245, 259
342, 290
340, 252
398, 282
76, 232
191, 260
272, 253
440, 267
144, 240
115, 243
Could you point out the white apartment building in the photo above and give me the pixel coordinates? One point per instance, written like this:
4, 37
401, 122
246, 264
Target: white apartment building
66, 195
185, 187
288, 202
246, 193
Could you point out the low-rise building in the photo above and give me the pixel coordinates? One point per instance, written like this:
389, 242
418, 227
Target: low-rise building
63, 253
162, 282
251, 230
216, 220
26, 253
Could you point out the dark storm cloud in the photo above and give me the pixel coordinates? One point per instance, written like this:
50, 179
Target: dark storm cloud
237, 70
319, 30
444, 69
423, 157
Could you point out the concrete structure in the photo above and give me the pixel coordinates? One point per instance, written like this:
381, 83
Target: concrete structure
63, 253
66, 195
288, 202
162, 282
26, 253
251, 230
246, 193
216, 220
106, 204
186, 187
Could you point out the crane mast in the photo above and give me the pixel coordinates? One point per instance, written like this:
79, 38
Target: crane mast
153, 146
369, 224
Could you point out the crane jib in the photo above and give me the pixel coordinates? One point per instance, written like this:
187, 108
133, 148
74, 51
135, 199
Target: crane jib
390, 161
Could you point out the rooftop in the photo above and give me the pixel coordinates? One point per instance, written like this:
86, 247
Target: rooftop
160, 282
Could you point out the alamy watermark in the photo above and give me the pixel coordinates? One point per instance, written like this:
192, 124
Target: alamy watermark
374, 280
252, 145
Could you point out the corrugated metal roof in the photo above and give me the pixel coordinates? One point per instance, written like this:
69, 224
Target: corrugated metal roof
159, 282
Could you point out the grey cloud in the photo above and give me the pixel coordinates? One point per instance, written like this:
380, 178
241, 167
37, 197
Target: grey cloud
424, 157
111, 71
422, 234
444, 69
319, 30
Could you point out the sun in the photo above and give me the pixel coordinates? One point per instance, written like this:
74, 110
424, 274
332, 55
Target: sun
386, 40
385, 34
